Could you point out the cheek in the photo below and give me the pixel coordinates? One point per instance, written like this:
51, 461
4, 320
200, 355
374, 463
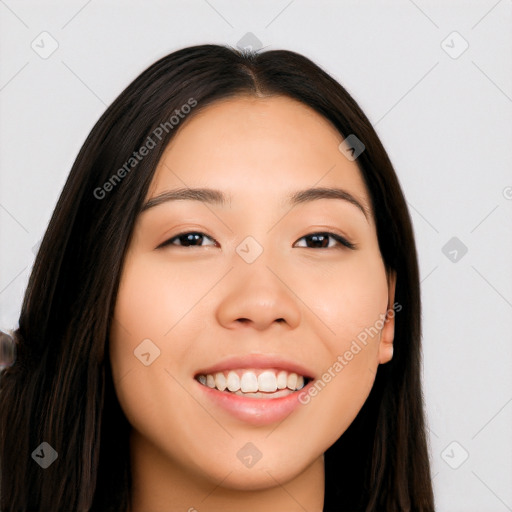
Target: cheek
350, 300
154, 320
149, 304
348, 297
155, 295
137, 339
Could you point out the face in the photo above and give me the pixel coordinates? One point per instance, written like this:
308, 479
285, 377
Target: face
259, 285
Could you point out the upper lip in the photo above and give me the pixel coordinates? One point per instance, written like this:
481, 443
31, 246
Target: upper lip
260, 361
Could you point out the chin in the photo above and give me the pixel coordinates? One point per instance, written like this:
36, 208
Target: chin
267, 472
256, 479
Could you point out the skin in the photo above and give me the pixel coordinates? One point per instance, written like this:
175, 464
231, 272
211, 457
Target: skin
203, 303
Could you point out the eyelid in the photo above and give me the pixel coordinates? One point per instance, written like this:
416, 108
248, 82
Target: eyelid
341, 239
168, 241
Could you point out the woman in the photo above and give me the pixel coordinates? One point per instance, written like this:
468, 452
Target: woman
225, 310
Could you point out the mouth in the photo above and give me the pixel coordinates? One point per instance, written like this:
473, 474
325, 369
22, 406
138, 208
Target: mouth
255, 389
259, 383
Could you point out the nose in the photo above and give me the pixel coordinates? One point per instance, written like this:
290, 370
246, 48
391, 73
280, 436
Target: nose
258, 296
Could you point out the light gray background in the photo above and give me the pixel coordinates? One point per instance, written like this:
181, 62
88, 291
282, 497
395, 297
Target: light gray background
445, 121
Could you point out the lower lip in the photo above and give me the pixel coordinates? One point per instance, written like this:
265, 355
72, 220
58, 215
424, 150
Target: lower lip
255, 411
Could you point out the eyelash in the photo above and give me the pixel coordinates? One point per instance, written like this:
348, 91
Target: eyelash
339, 239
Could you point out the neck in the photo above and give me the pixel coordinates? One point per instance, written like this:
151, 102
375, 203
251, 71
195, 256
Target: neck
163, 485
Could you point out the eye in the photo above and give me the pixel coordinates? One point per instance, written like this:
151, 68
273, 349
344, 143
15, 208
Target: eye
324, 241
193, 238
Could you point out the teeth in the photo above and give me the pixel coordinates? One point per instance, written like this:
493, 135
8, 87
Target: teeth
220, 381
233, 382
267, 381
290, 384
248, 381
282, 378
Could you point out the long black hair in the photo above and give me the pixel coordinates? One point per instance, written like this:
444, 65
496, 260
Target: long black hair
60, 388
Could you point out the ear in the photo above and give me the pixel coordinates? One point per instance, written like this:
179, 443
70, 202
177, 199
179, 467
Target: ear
388, 331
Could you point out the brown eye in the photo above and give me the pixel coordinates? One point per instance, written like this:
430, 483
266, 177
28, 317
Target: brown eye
194, 239
324, 241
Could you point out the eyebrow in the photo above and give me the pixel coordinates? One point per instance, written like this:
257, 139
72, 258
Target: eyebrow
216, 197
312, 194
205, 195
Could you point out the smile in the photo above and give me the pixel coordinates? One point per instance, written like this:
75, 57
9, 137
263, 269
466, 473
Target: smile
255, 383
255, 389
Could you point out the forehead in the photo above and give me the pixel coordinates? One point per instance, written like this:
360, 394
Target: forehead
250, 146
